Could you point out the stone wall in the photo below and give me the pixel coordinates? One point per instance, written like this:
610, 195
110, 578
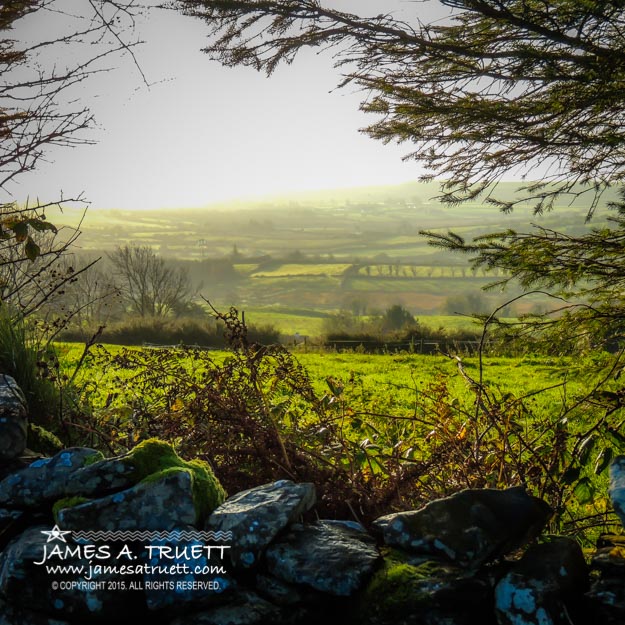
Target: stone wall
151, 536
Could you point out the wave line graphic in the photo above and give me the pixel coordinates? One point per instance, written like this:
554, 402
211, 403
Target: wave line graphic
146, 535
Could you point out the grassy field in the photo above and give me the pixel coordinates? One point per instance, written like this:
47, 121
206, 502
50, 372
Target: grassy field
391, 381
425, 409
310, 322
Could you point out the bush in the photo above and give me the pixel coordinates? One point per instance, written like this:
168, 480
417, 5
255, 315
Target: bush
32, 365
168, 331
255, 417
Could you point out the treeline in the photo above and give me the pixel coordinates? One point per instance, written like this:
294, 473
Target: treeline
396, 329
207, 333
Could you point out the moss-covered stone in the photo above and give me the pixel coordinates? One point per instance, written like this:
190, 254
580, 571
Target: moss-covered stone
66, 502
96, 457
42, 441
399, 585
429, 591
153, 458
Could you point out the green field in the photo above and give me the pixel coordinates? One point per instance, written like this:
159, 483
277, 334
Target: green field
391, 381
310, 323
288, 270
374, 416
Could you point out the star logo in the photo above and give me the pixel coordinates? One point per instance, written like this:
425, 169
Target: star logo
56, 533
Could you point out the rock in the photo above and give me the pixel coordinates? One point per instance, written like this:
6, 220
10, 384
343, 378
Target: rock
328, 558
616, 489
415, 591
283, 594
154, 456
9, 525
161, 502
609, 558
44, 480
10, 615
607, 593
256, 516
26, 582
246, 608
469, 528
544, 587
83, 472
204, 582
13, 419
98, 478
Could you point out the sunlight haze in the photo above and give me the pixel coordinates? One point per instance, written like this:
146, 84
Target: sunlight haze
201, 133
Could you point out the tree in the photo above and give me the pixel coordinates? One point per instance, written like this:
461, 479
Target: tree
499, 87
148, 285
397, 318
90, 298
39, 109
502, 85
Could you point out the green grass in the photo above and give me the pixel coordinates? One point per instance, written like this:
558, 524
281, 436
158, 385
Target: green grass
287, 323
421, 405
388, 383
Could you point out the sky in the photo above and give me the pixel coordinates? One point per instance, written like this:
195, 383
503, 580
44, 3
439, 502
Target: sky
201, 133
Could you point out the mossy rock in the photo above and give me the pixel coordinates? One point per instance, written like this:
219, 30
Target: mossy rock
42, 441
153, 459
66, 502
405, 589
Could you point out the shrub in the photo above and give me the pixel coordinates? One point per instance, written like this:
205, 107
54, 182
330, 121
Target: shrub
31, 364
169, 331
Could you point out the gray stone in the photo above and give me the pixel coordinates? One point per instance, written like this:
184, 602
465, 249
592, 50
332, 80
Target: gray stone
544, 586
43, 480
13, 419
246, 608
607, 593
256, 516
283, 594
617, 487
28, 584
328, 558
470, 527
158, 503
99, 478
10, 615
9, 525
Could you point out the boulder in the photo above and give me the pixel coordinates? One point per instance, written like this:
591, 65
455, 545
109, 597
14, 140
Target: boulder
469, 528
544, 587
83, 472
27, 583
204, 580
154, 456
161, 502
44, 480
606, 596
10, 525
327, 557
246, 608
256, 516
409, 590
13, 419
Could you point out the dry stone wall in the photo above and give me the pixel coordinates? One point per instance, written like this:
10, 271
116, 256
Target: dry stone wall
147, 535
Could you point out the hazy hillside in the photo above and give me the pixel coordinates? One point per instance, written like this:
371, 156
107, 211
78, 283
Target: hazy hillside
358, 249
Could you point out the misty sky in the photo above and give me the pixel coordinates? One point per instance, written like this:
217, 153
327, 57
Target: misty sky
203, 133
